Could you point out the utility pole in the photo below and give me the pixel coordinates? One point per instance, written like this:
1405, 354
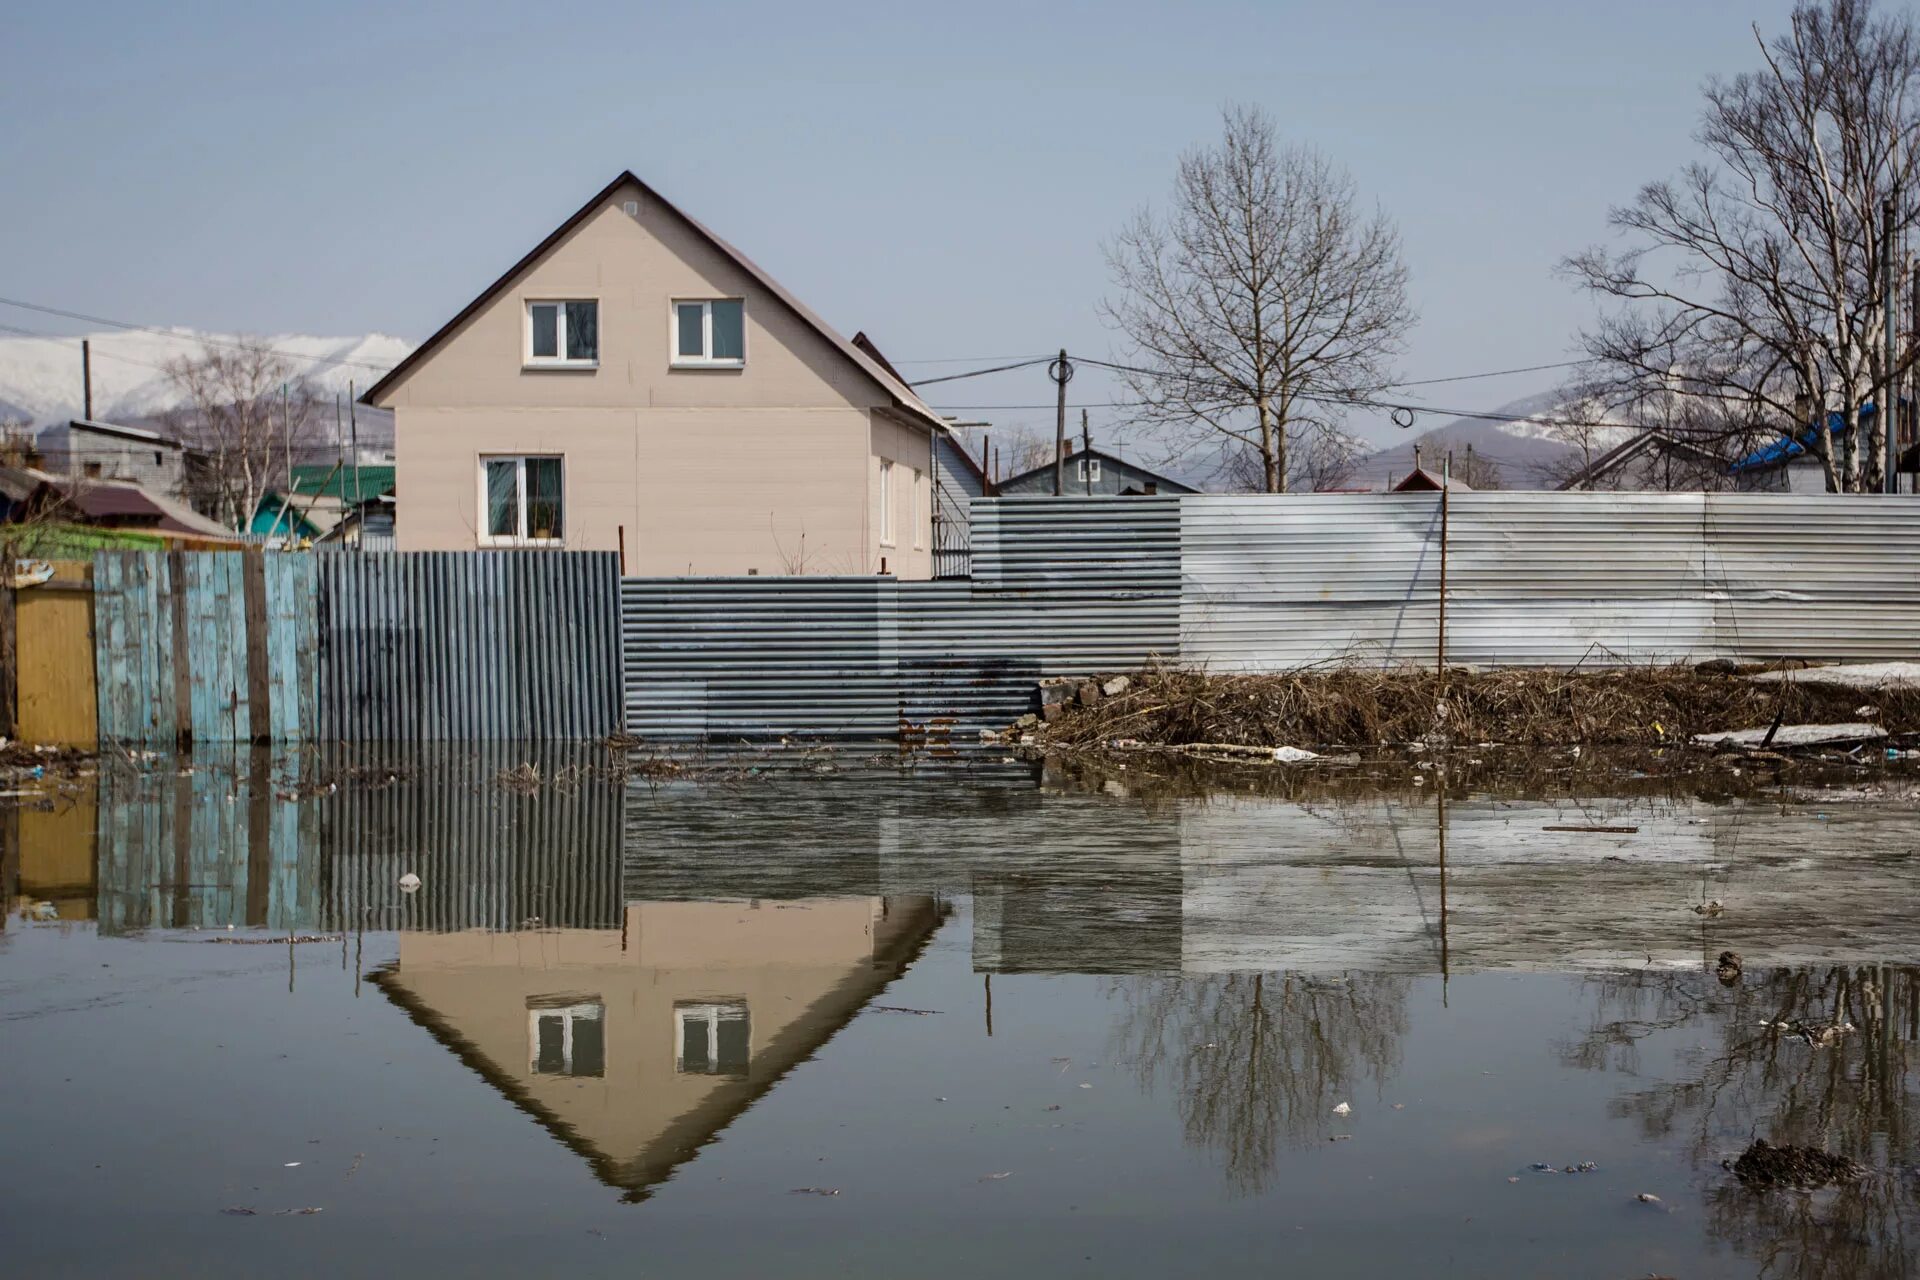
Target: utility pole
1062, 373
1440, 638
353, 426
1086, 447
86, 379
1889, 391
1913, 376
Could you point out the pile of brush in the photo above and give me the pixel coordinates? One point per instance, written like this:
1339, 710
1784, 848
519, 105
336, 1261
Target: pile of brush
1356, 708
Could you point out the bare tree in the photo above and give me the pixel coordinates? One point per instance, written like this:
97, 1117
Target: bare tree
1264, 302
1324, 461
248, 412
1753, 280
1477, 470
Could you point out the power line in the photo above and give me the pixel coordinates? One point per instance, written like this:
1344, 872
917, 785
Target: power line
1496, 373
965, 359
977, 373
175, 333
1367, 402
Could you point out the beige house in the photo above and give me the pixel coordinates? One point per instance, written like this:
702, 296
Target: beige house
636, 1046
635, 384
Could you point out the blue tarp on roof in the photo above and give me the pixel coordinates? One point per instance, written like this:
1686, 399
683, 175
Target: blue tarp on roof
1786, 450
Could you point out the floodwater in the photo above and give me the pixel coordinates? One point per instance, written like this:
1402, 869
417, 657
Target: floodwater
945, 1018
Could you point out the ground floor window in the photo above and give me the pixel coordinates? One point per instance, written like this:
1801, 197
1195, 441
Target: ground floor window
521, 500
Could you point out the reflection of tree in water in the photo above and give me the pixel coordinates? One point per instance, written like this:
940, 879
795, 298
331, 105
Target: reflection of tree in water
1256, 1059
1857, 1098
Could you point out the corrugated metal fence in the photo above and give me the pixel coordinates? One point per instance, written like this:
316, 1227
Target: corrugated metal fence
1547, 579
225, 647
1259, 583
1056, 591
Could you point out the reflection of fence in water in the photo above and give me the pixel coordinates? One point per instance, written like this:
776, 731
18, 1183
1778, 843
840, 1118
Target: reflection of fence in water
235, 843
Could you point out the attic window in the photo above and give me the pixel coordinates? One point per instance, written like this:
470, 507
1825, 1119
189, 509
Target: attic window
563, 333
710, 333
1089, 468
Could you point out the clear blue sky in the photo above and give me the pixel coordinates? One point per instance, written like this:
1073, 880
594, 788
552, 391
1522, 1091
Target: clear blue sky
939, 175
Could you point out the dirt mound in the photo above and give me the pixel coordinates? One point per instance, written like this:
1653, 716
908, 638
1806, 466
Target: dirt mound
1762, 1165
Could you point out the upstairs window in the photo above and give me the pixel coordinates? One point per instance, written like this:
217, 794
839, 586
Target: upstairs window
563, 333
1089, 468
567, 1039
712, 1038
710, 333
520, 501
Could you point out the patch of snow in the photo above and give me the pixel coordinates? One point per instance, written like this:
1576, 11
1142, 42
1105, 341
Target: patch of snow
1794, 735
1851, 675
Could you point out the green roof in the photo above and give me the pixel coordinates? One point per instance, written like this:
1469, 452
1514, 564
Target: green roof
332, 481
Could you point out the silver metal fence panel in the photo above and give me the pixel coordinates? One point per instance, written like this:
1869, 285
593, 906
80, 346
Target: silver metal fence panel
1059, 547
725, 658
1555, 579
1814, 575
498, 646
1272, 583
970, 659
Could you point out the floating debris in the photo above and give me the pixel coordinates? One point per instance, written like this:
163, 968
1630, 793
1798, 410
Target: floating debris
1762, 1165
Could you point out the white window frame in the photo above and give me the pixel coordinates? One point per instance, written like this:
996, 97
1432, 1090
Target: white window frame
920, 510
590, 1011
886, 502
1090, 469
519, 538
711, 1013
558, 360
707, 360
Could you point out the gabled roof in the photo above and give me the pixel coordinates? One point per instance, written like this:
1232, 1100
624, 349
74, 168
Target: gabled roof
130, 433
1166, 483
1421, 480
901, 394
1651, 440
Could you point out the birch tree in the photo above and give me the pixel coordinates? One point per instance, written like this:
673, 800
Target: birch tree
248, 413
1263, 302
1752, 282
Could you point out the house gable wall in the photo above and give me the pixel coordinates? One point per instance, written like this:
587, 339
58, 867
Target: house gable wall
767, 468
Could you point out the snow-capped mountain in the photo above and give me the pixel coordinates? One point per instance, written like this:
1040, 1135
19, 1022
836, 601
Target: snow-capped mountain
40, 377
1530, 453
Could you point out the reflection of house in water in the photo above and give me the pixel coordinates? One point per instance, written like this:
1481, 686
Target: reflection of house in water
637, 1045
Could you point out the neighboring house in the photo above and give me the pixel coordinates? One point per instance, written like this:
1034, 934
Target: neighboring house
1091, 473
316, 501
1788, 466
637, 1046
635, 384
89, 450
1652, 460
119, 505
367, 525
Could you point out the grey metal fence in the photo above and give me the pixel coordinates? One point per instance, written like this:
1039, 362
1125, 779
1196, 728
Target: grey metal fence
1059, 588
1263, 583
